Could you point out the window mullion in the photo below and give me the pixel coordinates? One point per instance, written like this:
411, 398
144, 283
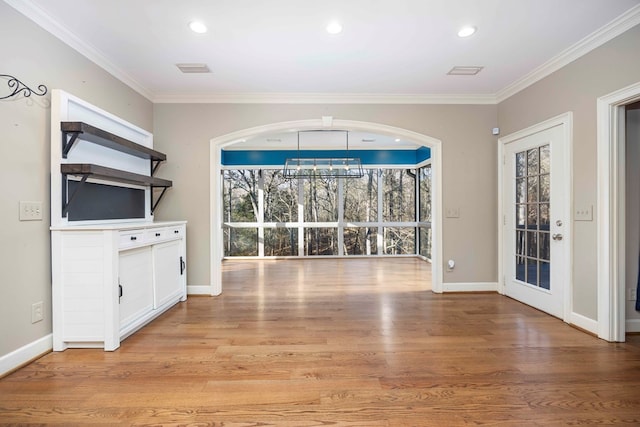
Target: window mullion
380, 213
260, 219
340, 216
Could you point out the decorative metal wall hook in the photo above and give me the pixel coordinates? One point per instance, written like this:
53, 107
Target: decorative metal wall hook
17, 87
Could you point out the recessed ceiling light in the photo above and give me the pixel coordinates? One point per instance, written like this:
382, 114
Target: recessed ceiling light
334, 27
397, 139
368, 140
466, 31
198, 27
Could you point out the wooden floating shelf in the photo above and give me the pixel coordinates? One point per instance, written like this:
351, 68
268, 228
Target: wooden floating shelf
106, 139
101, 172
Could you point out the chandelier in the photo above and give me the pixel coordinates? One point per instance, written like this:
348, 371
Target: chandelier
323, 166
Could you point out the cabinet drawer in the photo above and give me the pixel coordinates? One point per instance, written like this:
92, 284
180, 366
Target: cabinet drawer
131, 238
157, 235
175, 232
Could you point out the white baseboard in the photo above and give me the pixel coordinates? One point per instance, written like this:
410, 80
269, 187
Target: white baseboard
470, 287
632, 325
584, 322
25, 354
200, 290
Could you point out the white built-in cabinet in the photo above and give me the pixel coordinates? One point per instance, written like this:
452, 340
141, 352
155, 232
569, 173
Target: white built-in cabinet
109, 281
114, 269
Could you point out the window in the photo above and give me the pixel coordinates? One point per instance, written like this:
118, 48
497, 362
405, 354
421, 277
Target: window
361, 197
280, 197
399, 187
321, 199
424, 208
266, 215
240, 196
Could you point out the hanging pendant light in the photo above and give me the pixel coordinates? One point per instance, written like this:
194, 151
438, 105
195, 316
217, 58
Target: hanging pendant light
323, 167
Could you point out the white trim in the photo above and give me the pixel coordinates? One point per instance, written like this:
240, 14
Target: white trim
611, 203
470, 287
323, 98
44, 20
583, 322
199, 290
632, 325
216, 145
566, 121
622, 23
25, 354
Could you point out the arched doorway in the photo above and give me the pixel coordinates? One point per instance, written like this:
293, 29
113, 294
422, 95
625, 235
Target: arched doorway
218, 143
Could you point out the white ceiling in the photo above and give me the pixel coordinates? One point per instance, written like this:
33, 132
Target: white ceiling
278, 50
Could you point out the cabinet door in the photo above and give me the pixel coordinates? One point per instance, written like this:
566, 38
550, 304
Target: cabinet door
135, 277
166, 272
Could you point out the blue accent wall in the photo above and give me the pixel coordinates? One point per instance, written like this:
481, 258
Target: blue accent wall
367, 157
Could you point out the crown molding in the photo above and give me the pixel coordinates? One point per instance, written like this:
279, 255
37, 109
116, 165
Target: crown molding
622, 23
322, 98
44, 20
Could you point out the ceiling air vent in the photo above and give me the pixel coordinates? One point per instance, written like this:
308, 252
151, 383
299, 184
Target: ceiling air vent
464, 71
193, 68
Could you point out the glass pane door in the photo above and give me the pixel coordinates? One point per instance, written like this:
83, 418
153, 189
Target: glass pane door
532, 207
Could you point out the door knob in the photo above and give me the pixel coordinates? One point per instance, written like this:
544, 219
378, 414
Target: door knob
556, 236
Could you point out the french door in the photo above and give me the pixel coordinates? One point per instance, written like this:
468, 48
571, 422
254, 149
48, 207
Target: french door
535, 219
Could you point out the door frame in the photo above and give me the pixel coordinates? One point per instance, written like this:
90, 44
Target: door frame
611, 202
566, 121
215, 152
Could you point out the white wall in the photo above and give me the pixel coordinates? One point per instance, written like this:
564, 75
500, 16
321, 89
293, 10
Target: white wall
35, 57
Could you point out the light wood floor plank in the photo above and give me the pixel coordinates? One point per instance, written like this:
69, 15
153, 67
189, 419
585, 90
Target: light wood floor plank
339, 342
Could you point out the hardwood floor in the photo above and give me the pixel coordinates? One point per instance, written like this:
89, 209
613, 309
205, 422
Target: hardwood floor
355, 342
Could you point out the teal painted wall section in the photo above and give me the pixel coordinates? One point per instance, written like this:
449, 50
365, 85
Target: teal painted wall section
367, 157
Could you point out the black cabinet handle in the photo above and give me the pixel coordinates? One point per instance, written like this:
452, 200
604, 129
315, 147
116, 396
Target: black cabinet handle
157, 234
119, 292
134, 238
183, 266
176, 231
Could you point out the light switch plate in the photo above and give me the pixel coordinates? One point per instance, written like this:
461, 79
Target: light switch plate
30, 211
583, 213
452, 213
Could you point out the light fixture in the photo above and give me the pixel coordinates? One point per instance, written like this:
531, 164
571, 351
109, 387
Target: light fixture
198, 27
323, 167
466, 31
334, 27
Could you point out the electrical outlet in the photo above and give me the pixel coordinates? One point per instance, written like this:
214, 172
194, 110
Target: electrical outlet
30, 211
37, 312
632, 294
